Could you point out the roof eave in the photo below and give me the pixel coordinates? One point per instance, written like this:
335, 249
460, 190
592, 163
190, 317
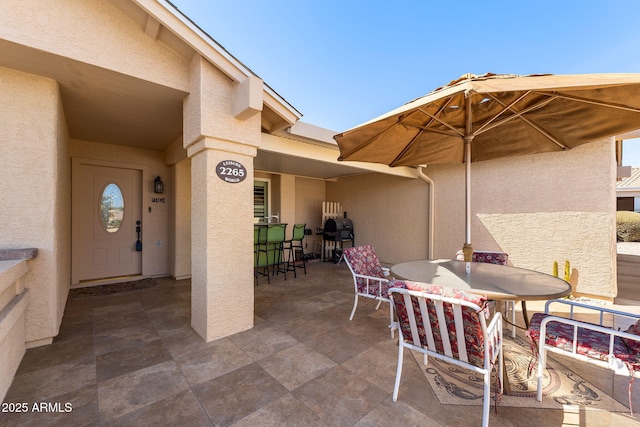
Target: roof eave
178, 23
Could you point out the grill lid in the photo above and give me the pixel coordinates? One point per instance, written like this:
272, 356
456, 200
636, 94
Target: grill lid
333, 225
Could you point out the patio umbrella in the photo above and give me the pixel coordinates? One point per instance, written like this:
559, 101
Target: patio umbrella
490, 116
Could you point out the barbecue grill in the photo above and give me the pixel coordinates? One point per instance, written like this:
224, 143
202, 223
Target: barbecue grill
337, 230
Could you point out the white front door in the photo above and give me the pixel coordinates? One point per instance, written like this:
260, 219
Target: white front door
106, 223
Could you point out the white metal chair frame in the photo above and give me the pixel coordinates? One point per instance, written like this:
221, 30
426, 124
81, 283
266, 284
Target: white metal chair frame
492, 337
611, 362
372, 283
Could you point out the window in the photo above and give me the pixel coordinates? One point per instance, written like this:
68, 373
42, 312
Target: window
111, 208
260, 199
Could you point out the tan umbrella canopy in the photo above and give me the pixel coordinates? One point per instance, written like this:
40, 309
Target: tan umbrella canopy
490, 116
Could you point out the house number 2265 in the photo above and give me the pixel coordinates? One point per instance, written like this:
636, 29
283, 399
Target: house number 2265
231, 171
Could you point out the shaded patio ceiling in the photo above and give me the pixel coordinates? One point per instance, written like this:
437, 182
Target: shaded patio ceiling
105, 106
102, 105
271, 162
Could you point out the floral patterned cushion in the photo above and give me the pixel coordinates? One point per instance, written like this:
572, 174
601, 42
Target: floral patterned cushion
485, 256
363, 260
471, 320
590, 343
633, 345
490, 257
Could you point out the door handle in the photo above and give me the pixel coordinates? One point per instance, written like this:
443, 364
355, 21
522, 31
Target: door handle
138, 242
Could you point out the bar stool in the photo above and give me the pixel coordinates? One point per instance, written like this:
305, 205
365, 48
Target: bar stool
260, 252
295, 244
275, 247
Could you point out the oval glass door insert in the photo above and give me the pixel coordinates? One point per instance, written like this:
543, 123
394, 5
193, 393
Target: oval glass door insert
111, 208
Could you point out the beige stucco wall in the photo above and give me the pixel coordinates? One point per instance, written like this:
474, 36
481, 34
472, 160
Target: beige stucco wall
538, 208
34, 203
310, 193
156, 223
388, 212
180, 256
287, 198
93, 32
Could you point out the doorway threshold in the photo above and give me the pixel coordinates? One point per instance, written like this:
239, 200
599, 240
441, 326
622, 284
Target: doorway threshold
106, 281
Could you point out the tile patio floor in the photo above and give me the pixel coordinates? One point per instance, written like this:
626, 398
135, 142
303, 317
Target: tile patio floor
133, 359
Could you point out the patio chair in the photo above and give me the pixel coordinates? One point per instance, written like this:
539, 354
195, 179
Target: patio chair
369, 278
499, 258
593, 343
456, 331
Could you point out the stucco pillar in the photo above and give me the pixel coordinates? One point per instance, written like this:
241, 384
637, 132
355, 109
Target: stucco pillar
221, 123
221, 242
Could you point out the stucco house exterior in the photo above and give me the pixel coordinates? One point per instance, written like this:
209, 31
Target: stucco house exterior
125, 91
628, 192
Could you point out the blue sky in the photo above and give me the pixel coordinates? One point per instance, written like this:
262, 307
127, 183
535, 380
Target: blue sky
342, 62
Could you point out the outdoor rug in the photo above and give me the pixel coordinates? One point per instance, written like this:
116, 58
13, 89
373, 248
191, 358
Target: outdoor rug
454, 385
114, 288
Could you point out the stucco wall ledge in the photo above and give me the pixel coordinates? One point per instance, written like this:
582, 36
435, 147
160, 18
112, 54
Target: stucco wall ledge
10, 273
235, 147
14, 299
12, 313
17, 254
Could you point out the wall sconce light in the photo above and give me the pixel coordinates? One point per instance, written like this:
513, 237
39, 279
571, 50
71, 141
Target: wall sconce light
158, 185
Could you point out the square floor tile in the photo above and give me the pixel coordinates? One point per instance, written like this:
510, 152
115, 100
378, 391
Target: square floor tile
340, 397
233, 396
260, 342
126, 393
285, 411
126, 360
221, 357
182, 409
296, 365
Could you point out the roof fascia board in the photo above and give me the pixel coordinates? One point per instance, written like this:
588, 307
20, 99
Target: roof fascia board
177, 23
278, 144
284, 110
206, 46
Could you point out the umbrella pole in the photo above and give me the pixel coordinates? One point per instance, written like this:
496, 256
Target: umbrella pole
467, 249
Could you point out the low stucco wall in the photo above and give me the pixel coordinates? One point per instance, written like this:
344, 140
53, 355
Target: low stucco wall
35, 168
14, 299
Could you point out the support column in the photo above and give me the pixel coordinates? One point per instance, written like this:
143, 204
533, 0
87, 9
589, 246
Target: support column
221, 122
221, 242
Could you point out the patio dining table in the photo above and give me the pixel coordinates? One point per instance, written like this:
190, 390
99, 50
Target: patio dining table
495, 282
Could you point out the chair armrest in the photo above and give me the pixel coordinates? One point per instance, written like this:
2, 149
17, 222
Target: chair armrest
372, 282
599, 309
585, 325
374, 278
